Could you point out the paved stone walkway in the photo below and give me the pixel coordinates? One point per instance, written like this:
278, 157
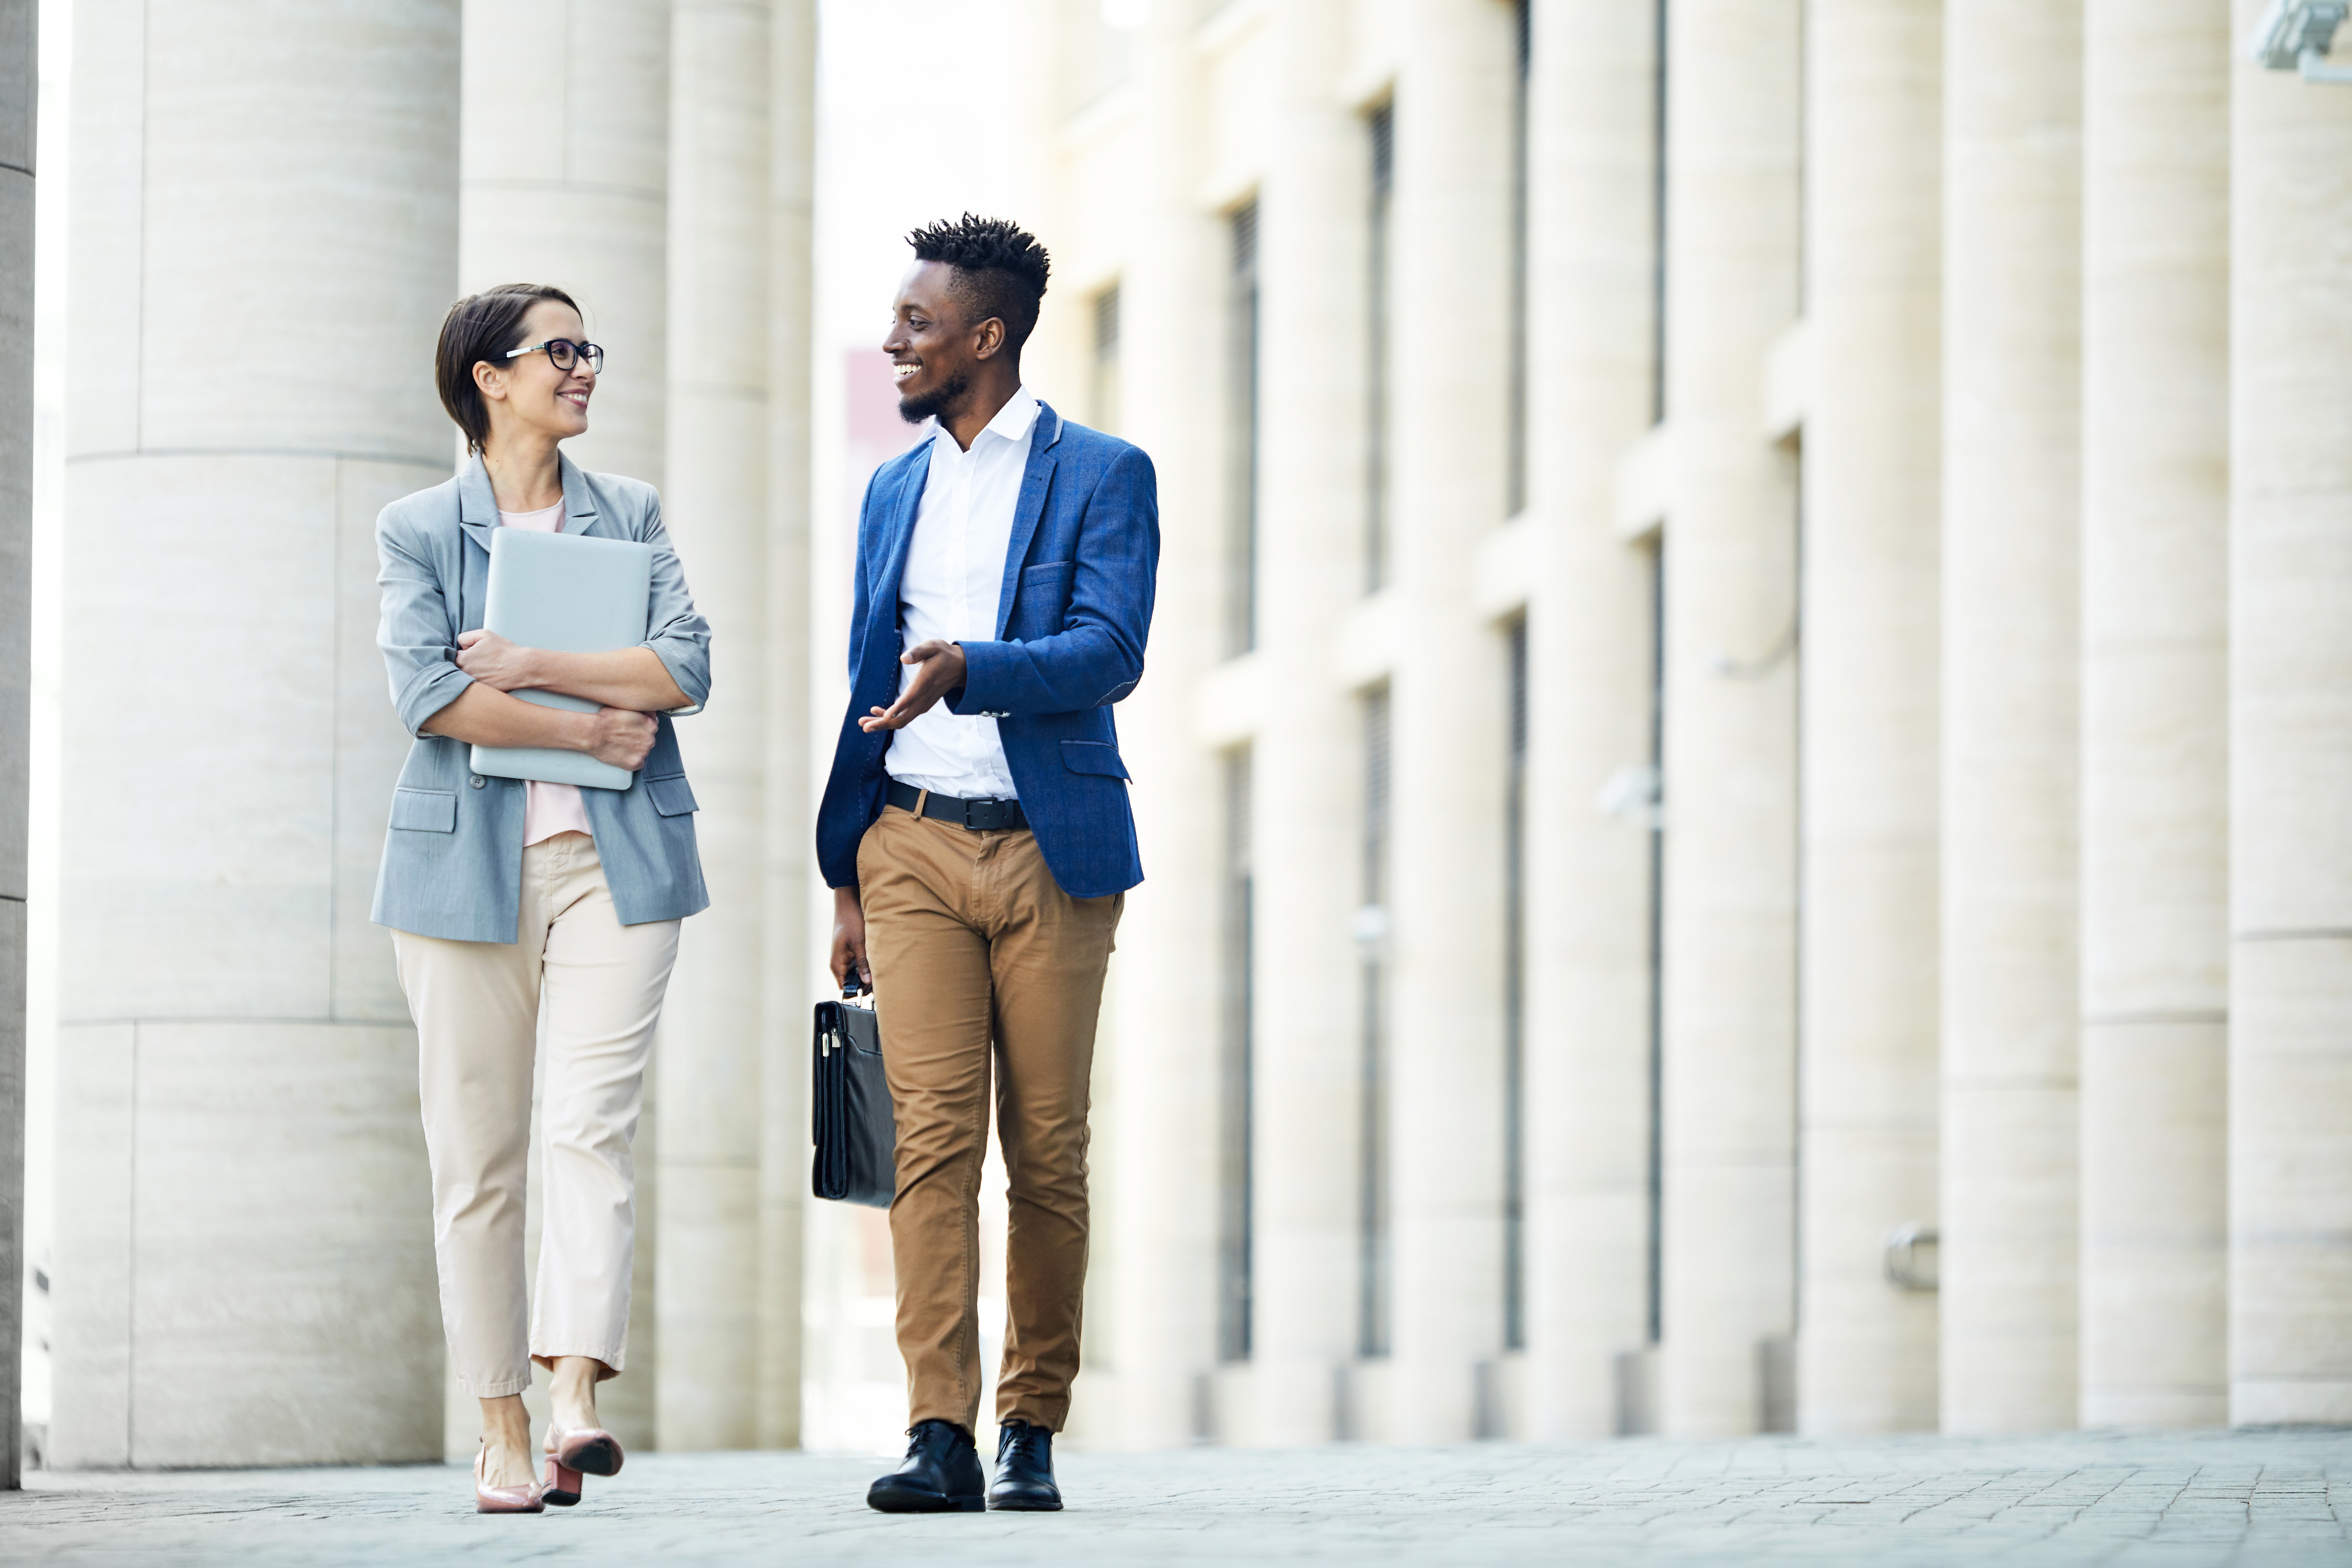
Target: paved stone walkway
2245, 1499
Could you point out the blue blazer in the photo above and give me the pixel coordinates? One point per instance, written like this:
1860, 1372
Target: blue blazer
453, 851
1071, 621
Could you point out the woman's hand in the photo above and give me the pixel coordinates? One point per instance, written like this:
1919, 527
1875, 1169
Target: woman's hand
619, 738
497, 663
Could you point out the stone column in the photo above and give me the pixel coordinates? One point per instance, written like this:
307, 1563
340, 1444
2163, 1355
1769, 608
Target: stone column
2289, 746
564, 163
790, 876
1163, 1141
1591, 305
264, 239
1448, 411
1873, 220
716, 504
19, 80
2155, 746
1730, 1003
2011, 496
565, 180
1311, 499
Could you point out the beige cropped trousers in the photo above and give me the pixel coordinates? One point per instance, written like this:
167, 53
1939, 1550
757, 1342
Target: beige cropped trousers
478, 1006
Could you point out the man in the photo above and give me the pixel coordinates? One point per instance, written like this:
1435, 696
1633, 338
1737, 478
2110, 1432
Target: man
976, 833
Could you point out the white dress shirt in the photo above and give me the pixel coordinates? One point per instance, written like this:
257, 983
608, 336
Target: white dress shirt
954, 577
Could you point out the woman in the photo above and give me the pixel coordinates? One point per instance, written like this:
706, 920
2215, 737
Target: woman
510, 903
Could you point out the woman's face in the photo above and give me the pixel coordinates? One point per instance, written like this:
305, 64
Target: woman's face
527, 393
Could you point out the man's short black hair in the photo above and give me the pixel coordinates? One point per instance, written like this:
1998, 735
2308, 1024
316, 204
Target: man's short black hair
999, 270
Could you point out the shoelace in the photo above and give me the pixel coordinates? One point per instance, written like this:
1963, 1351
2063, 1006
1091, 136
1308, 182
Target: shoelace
1017, 1441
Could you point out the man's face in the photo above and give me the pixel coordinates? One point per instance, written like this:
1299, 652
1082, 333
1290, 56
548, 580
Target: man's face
933, 350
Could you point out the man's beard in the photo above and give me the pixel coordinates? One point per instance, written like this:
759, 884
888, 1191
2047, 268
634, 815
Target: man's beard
916, 407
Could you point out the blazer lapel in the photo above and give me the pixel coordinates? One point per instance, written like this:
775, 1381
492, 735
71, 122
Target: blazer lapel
478, 508
1034, 482
579, 514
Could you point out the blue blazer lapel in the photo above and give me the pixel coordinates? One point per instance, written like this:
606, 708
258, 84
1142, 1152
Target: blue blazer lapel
580, 514
1035, 481
478, 506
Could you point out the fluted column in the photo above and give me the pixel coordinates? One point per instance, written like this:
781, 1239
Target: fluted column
716, 505
2155, 747
790, 875
1590, 305
19, 79
1872, 218
1448, 414
1730, 1003
263, 239
1304, 850
1163, 1141
2011, 499
2289, 746
565, 165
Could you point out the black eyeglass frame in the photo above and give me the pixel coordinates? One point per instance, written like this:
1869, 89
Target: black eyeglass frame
572, 353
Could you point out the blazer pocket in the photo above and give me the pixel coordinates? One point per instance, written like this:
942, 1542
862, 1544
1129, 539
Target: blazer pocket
425, 810
670, 795
1092, 757
1046, 571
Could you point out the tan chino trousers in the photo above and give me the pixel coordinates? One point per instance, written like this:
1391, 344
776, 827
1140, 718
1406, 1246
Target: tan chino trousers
478, 1006
981, 960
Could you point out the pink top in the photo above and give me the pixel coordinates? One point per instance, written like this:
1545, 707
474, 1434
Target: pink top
548, 808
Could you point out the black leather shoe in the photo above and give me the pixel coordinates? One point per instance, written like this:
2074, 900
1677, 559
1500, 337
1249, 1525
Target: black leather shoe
940, 1474
1025, 1469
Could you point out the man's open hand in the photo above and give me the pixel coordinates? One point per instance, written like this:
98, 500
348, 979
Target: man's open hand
939, 670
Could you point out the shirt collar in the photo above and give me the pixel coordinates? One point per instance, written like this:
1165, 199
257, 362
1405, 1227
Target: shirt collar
1012, 422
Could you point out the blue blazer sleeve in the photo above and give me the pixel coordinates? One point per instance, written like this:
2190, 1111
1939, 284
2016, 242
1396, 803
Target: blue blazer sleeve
1097, 659
417, 633
676, 632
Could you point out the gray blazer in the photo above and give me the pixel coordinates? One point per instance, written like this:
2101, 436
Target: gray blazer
453, 858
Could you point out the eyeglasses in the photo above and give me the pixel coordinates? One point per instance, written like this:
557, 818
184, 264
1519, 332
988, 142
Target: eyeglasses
563, 353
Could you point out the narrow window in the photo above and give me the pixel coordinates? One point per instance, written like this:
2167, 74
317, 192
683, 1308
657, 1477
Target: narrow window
1515, 993
1105, 387
1376, 485
1371, 931
1658, 85
1516, 480
1236, 1197
1241, 551
1657, 820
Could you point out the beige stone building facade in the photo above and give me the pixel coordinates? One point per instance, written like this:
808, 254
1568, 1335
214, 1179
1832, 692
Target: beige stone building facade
1743, 765
1742, 770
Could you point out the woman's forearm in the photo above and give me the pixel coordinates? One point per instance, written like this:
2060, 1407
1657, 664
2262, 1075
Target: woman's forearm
630, 678
483, 716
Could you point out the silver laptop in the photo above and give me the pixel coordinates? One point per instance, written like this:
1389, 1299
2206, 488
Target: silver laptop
568, 593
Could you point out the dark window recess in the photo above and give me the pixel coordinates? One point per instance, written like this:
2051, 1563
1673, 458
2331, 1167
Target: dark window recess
1382, 125
1514, 999
1241, 438
1373, 1252
1235, 1220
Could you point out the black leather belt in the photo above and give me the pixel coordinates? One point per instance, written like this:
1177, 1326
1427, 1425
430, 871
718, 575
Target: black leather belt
979, 815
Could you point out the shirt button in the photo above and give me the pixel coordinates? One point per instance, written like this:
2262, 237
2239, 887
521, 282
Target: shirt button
476, 781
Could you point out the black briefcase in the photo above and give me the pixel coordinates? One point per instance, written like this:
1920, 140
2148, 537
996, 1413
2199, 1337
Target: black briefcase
856, 1140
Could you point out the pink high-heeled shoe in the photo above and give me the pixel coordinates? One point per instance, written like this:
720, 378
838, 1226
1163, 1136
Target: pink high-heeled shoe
503, 1499
574, 1455
563, 1487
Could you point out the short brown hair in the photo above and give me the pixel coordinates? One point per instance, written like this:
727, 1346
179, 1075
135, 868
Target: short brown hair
479, 327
